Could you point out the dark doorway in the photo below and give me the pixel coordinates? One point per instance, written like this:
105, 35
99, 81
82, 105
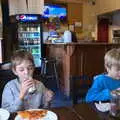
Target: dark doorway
103, 25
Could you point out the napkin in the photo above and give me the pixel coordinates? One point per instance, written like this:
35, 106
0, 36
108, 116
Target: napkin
4, 114
103, 107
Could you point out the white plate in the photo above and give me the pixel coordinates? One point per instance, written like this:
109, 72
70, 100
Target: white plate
50, 116
103, 107
4, 114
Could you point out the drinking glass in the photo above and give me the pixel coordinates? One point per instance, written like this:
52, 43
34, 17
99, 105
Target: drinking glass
115, 104
33, 88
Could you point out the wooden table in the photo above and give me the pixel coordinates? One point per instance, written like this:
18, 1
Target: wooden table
63, 113
86, 112
76, 112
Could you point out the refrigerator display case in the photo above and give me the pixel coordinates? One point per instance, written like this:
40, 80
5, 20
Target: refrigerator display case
30, 36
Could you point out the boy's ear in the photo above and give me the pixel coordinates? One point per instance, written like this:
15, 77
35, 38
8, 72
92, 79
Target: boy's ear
107, 68
14, 71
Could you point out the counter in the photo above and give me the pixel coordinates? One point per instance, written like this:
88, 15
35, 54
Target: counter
81, 59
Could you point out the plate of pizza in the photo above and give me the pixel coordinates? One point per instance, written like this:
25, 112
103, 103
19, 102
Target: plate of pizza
36, 114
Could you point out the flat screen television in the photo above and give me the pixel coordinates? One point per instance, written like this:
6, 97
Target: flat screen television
52, 10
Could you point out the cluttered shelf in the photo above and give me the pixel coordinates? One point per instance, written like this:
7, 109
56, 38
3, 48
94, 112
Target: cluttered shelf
81, 42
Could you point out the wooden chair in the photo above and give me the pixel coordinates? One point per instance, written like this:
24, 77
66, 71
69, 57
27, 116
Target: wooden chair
79, 87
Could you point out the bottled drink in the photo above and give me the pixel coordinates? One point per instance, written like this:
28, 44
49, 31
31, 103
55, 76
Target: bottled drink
67, 36
33, 88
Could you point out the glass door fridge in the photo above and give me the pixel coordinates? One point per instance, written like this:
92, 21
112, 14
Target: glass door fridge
29, 35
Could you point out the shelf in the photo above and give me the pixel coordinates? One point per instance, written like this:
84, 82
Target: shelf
30, 45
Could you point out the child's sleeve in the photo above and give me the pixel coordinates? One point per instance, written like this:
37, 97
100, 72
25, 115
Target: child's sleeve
44, 91
41, 88
10, 101
98, 92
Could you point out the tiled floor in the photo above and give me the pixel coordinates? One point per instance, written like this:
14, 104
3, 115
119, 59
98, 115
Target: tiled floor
61, 100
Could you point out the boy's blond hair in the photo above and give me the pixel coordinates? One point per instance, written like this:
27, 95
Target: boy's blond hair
19, 56
112, 58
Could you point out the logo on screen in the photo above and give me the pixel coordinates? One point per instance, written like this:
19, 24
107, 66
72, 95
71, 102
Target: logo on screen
27, 18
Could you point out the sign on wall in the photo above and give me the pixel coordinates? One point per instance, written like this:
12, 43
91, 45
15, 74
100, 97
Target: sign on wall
35, 6
17, 7
26, 7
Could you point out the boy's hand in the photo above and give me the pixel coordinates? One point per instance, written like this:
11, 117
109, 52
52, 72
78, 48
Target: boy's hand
48, 97
25, 85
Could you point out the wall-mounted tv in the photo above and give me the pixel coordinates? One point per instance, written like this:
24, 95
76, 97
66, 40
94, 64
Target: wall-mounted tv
52, 10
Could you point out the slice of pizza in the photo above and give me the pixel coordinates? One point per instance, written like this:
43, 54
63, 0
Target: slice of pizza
32, 114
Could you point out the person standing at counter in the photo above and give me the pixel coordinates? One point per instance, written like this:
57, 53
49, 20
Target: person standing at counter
103, 84
24, 92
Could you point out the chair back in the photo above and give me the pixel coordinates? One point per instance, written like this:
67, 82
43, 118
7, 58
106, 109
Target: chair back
5, 76
79, 87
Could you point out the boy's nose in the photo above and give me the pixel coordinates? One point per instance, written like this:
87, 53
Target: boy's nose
26, 71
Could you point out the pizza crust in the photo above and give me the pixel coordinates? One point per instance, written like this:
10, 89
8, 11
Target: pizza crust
32, 114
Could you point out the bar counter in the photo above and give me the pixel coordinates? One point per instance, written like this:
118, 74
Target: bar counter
78, 59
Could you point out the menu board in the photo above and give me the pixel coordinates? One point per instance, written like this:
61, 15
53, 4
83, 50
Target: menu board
17, 7
35, 6
26, 7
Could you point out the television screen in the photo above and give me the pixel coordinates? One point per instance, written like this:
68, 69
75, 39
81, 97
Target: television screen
54, 11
